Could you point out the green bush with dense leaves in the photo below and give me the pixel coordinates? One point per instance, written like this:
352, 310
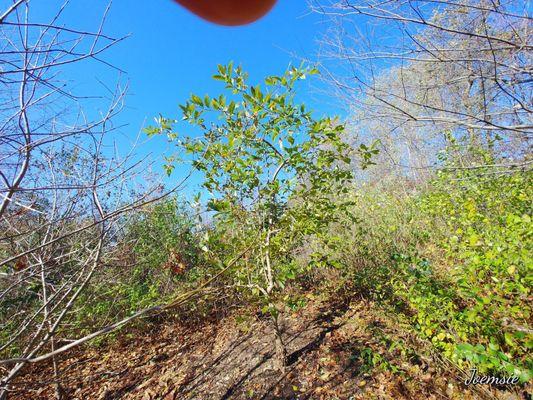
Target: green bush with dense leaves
274, 172
455, 260
487, 247
159, 255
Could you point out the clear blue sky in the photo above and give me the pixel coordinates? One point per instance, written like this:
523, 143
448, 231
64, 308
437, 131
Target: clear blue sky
172, 53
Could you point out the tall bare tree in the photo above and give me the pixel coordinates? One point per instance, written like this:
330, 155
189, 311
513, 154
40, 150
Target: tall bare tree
65, 192
419, 74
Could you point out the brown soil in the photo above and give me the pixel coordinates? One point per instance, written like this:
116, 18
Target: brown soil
336, 351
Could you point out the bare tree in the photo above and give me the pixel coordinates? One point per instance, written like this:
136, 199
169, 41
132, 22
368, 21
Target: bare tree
418, 75
66, 191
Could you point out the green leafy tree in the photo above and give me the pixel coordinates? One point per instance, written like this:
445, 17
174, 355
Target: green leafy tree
274, 172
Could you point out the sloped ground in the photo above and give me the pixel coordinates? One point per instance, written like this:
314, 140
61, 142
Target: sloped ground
336, 351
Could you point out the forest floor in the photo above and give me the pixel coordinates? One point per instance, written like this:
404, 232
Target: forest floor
337, 350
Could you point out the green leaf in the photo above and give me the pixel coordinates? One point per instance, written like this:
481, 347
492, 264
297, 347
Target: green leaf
197, 100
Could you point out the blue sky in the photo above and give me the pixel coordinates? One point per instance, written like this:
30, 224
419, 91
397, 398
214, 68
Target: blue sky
171, 53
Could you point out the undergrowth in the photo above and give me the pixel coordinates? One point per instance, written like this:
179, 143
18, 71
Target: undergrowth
455, 260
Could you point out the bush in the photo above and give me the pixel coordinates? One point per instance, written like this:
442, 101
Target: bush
454, 259
158, 255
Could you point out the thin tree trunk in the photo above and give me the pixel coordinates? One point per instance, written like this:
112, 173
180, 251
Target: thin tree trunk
280, 347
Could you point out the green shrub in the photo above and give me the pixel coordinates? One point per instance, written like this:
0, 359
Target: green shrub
487, 247
271, 169
158, 255
455, 260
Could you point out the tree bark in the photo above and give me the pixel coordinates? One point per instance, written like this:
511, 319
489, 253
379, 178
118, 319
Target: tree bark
280, 356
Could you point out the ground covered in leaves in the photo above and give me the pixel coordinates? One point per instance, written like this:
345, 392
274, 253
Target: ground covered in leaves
337, 350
